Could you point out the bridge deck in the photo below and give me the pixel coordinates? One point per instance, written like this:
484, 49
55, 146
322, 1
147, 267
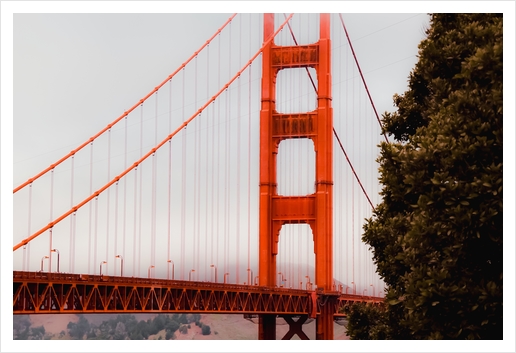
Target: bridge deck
55, 293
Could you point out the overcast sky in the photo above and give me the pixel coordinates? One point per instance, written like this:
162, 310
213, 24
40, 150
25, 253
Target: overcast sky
73, 74
81, 71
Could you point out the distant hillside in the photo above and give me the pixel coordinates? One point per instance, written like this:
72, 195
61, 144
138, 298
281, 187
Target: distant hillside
222, 327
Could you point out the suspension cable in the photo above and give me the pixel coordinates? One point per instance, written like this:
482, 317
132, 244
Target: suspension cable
362, 76
153, 150
334, 131
108, 127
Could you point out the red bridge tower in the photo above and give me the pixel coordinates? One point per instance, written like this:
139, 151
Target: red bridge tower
314, 209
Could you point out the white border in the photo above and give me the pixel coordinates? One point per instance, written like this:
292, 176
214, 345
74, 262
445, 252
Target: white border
8, 8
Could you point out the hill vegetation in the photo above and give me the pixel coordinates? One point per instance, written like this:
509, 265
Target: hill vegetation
121, 327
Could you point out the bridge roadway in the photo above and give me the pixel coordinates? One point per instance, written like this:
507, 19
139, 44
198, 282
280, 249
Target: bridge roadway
56, 293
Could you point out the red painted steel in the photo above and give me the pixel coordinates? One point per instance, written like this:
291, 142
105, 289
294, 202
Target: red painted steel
316, 209
62, 293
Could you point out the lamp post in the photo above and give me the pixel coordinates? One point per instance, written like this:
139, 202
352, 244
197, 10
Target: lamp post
282, 279
354, 288
249, 276
373, 289
190, 274
225, 276
43, 259
168, 274
149, 270
121, 264
309, 283
215, 267
102, 263
347, 289
56, 251
256, 280
363, 293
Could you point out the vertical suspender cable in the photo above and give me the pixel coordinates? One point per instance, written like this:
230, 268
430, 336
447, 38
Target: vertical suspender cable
183, 185
115, 245
90, 270
140, 203
154, 186
115, 250
26, 267
237, 233
51, 211
228, 232
227, 170
195, 176
135, 193
353, 187
249, 159
197, 209
213, 201
169, 203
124, 227
71, 251
226, 187
108, 198
96, 233
205, 257
218, 187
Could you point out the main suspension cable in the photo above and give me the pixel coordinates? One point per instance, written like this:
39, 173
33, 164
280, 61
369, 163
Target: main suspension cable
108, 127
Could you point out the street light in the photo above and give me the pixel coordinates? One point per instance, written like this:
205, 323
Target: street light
249, 276
57, 251
43, 259
354, 288
215, 267
347, 289
373, 289
363, 293
282, 279
308, 284
102, 263
168, 274
225, 276
149, 270
256, 280
121, 264
190, 274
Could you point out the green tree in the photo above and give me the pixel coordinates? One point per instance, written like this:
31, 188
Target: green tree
366, 322
206, 330
79, 329
38, 332
120, 331
437, 236
169, 335
183, 329
172, 326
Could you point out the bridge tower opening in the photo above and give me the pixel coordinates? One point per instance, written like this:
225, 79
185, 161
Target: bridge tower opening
313, 209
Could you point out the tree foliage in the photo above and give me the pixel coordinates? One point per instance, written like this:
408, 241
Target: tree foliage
206, 330
437, 236
366, 322
79, 329
128, 327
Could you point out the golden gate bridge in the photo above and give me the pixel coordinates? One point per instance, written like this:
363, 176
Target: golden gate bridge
238, 185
